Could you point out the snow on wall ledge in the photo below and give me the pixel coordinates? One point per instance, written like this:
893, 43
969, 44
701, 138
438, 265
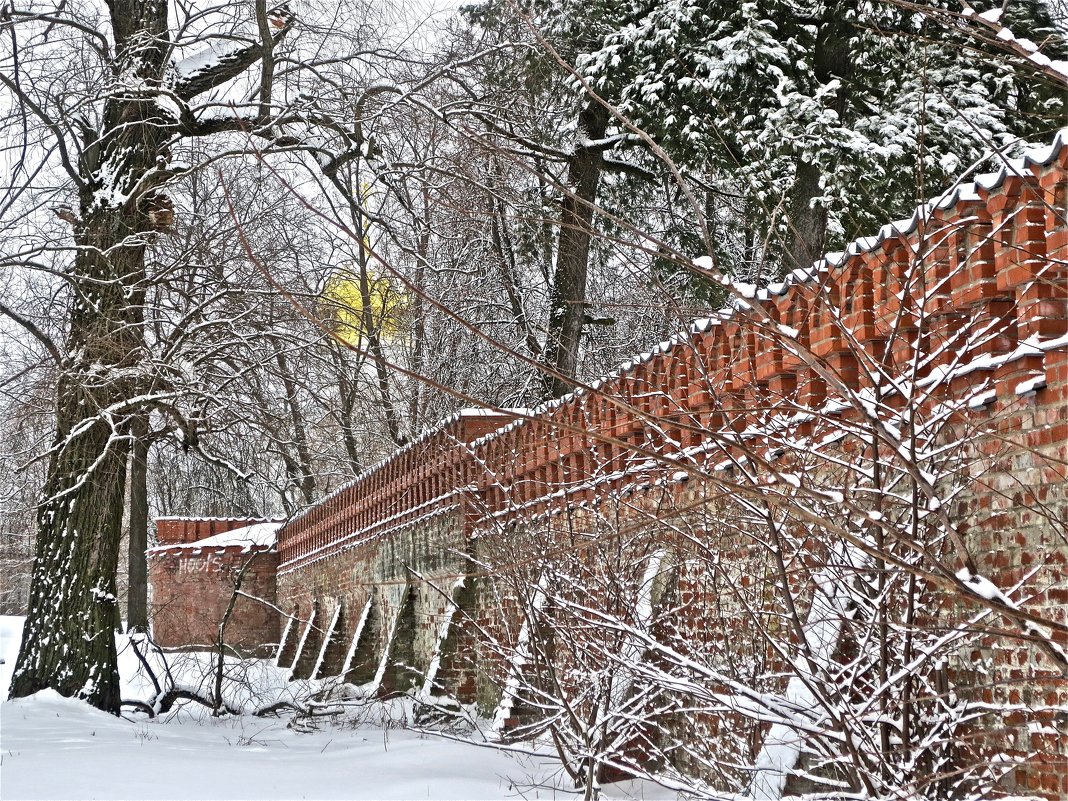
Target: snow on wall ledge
989, 303
966, 302
185, 530
192, 573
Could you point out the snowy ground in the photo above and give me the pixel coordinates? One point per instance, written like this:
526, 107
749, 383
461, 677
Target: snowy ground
52, 747
57, 748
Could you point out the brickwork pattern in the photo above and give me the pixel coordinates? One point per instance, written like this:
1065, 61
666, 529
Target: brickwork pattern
970, 296
191, 589
185, 530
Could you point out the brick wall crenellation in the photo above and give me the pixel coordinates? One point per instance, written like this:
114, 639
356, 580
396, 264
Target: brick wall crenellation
970, 297
982, 273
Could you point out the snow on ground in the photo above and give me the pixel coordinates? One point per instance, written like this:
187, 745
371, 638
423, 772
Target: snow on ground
54, 747
10, 637
248, 684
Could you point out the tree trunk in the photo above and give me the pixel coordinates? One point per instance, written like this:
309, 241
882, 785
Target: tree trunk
68, 642
371, 329
808, 223
418, 317
567, 298
347, 392
137, 590
305, 481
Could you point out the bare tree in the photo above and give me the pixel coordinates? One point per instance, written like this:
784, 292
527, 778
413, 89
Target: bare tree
150, 101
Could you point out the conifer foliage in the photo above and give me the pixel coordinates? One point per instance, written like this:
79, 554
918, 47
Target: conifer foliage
829, 117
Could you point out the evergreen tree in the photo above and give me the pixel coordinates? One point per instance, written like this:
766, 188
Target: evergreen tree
827, 116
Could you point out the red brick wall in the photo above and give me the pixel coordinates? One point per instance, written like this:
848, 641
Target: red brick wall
993, 287
191, 589
419, 480
180, 530
384, 566
996, 260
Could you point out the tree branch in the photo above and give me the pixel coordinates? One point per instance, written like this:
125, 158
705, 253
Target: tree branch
228, 67
36, 332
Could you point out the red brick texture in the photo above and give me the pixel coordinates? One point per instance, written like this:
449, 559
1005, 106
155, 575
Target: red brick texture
192, 587
965, 308
181, 530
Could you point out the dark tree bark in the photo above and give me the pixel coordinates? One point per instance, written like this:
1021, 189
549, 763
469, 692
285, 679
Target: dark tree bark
68, 639
808, 223
370, 329
137, 589
567, 299
67, 643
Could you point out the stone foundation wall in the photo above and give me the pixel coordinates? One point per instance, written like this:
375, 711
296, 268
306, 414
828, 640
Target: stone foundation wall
407, 577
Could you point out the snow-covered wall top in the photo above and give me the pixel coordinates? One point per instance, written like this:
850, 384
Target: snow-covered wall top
956, 197
256, 536
974, 282
184, 531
